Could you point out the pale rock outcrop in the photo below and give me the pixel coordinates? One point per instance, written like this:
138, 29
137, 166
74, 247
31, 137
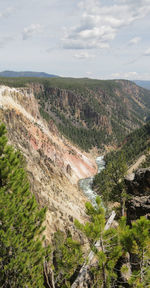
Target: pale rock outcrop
54, 165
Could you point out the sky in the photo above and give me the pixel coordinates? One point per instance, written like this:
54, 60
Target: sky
102, 39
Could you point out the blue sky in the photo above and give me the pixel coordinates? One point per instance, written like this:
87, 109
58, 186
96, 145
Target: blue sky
81, 38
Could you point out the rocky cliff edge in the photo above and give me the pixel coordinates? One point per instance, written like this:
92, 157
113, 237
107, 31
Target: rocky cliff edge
138, 190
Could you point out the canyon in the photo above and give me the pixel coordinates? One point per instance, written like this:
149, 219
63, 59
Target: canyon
34, 116
54, 165
61, 174
100, 112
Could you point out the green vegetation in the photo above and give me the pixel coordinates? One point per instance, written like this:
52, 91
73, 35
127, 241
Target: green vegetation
83, 137
21, 251
89, 112
45, 115
71, 126
111, 246
81, 118
63, 83
108, 250
110, 182
146, 162
135, 144
107, 183
67, 259
135, 240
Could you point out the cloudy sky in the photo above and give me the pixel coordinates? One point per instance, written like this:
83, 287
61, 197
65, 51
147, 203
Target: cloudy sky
78, 38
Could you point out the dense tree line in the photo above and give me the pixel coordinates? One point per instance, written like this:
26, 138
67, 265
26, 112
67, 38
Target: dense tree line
110, 182
60, 82
83, 137
134, 145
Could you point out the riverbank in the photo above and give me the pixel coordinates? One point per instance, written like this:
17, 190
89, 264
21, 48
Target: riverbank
86, 184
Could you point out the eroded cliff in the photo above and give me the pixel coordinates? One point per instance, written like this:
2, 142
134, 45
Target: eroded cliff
105, 110
54, 165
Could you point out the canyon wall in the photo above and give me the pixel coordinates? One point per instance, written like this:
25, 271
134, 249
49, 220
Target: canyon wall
53, 164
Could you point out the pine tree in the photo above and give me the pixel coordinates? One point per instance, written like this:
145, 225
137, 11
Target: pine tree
141, 251
67, 258
136, 241
107, 249
21, 250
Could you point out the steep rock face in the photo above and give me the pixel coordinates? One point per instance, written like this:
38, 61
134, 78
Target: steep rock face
111, 108
54, 166
138, 189
102, 112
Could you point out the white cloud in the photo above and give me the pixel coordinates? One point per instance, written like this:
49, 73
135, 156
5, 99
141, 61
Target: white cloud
82, 44
89, 74
31, 30
147, 52
8, 11
83, 55
101, 28
129, 76
100, 23
135, 41
125, 75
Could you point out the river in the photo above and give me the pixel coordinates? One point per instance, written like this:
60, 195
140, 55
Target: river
86, 184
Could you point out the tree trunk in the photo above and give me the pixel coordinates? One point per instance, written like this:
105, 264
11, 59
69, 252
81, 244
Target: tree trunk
83, 271
122, 202
48, 276
103, 265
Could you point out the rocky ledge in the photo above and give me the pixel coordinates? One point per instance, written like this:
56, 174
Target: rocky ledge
138, 190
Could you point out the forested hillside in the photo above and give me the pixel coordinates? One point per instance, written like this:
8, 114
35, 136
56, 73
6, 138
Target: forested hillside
134, 145
89, 112
94, 112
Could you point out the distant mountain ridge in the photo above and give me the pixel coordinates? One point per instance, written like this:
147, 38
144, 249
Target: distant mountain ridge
26, 74
143, 83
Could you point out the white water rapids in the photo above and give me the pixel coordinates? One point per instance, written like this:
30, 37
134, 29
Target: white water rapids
86, 184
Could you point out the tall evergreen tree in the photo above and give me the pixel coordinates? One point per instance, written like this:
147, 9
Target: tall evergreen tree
107, 249
136, 241
67, 259
21, 250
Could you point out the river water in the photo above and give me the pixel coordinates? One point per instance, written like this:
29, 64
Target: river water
86, 184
